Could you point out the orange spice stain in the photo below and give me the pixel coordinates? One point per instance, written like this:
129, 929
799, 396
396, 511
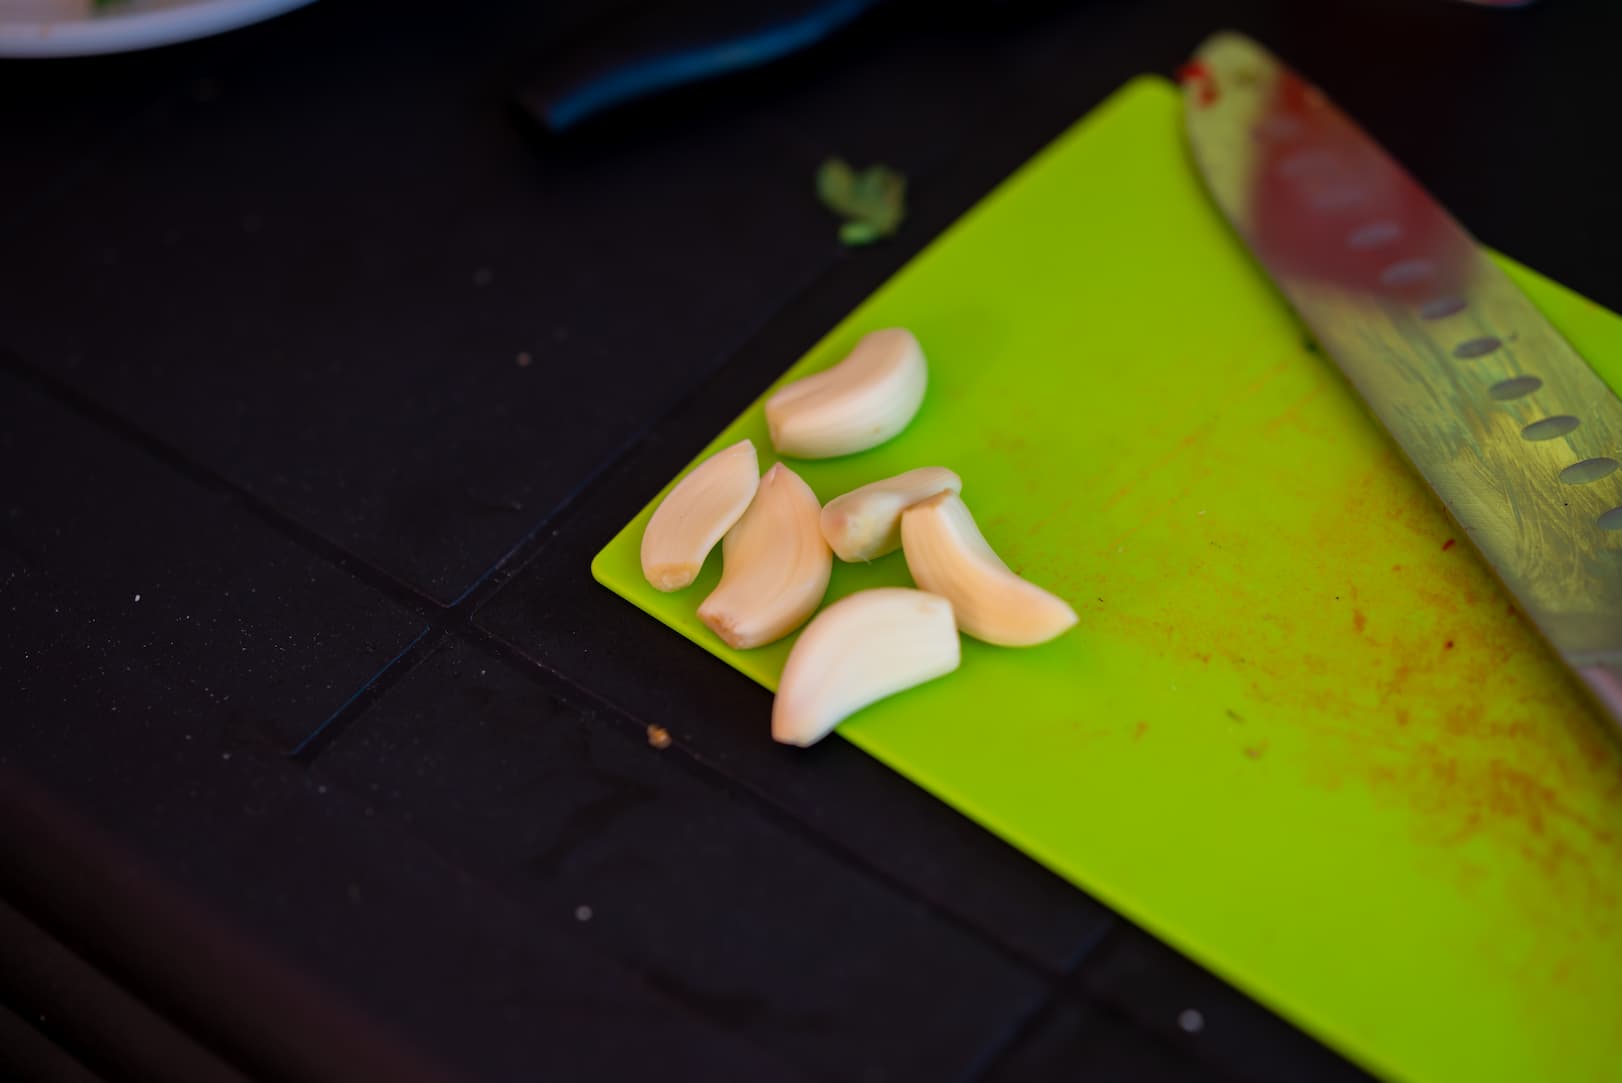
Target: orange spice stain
1497, 770
1188, 441
1292, 413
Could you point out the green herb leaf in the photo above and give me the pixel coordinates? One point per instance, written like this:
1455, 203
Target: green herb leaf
836, 182
855, 234
873, 202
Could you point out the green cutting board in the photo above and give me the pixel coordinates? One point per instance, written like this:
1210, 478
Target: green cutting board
1299, 734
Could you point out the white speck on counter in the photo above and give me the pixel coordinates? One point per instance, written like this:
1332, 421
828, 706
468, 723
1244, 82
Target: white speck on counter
582, 913
137, 597
1191, 1020
225, 755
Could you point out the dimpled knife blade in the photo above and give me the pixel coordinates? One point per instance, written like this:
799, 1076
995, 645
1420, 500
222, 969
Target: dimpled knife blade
1509, 425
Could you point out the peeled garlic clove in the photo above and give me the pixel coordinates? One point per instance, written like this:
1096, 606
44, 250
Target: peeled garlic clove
865, 523
864, 647
860, 403
948, 555
774, 565
696, 514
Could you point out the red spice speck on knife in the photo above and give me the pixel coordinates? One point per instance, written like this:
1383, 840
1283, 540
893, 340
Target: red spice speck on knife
1447, 545
1197, 71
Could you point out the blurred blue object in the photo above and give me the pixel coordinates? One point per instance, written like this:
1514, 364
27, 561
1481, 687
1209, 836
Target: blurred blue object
674, 46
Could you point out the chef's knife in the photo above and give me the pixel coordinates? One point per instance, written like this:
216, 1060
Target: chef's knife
1515, 433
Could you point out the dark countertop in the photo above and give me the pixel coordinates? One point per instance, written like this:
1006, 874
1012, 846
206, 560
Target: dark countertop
324, 757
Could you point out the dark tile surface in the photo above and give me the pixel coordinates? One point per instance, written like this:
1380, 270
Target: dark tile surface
578, 818
74, 1006
1076, 1040
301, 937
154, 677
134, 598
61, 125
160, 721
1141, 979
25, 1053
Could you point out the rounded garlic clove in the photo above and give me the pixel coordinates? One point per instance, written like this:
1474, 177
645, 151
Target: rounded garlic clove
696, 514
774, 565
864, 647
860, 403
865, 523
948, 555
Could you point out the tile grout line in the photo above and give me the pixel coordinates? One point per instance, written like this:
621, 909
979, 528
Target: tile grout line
441, 617
291, 529
519, 555
490, 581
1066, 984
459, 615
1003, 1049
1087, 950
629, 725
1074, 985
392, 672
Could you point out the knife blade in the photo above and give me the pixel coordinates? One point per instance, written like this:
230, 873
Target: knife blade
1510, 427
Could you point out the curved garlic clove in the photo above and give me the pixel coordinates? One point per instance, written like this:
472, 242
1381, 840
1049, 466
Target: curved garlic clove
865, 523
948, 555
864, 647
774, 565
696, 514
860, 403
